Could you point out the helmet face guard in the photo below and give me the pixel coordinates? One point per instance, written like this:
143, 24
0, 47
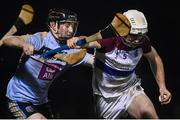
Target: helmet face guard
58, 17
132, 40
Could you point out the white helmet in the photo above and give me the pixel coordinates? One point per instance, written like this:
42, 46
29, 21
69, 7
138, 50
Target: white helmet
138, 22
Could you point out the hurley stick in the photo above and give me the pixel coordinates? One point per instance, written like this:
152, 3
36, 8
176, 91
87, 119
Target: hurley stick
25, 17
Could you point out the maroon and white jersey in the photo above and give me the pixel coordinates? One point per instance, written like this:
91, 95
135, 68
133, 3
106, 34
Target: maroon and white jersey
114, 68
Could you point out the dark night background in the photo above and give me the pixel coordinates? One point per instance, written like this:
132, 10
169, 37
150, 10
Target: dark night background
72, 97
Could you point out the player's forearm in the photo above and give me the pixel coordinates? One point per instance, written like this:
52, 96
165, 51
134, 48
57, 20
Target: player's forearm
94, 44
158, 71
13, 41
160, 75
91, 41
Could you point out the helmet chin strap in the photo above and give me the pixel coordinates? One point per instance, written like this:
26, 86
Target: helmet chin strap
129, 44
61, 40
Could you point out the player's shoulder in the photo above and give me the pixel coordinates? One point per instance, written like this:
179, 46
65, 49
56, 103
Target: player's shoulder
43, 34
40, 35
37, 34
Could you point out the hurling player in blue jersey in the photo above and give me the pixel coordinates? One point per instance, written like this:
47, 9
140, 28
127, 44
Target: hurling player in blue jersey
27, 91
116, 87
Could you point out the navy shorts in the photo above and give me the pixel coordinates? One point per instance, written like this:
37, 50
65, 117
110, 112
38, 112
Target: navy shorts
20, 110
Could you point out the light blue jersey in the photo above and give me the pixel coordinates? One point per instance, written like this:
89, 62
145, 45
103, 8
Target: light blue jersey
33, 78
